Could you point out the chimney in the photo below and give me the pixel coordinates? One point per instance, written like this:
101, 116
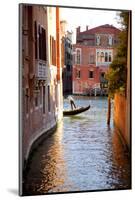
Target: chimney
87, 28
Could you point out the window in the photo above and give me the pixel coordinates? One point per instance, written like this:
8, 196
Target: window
35, 33
102, 57
42, 43
98, 57
98, 40
110, 57
49, 108
91, 74
106, 57
39, 40
92, 59
43, 99
78, 57
110, 40
78, 74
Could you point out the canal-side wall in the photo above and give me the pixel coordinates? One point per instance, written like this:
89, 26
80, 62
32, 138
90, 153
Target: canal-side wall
120, 118
122, 104
41, 79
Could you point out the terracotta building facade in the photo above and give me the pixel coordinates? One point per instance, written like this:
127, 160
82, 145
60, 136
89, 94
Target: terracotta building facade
93, 53
41, 77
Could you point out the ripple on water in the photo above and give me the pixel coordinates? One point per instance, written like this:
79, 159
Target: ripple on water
83, 154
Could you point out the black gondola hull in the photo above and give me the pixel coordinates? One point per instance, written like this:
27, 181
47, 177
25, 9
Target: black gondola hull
76, 111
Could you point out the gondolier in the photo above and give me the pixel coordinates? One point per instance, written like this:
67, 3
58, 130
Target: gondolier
72, 103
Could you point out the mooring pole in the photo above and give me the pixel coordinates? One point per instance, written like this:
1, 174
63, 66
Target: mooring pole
109, 111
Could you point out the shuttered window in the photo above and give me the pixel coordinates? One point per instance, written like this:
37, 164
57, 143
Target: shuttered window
40, 42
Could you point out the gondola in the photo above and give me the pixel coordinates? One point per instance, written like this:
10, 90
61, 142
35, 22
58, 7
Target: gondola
75, 111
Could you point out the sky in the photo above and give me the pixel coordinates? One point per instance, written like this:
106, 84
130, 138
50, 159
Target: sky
92, 18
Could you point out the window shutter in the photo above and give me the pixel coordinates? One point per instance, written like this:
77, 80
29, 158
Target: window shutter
35, 35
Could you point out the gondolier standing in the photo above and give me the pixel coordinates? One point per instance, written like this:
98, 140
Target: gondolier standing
72, 103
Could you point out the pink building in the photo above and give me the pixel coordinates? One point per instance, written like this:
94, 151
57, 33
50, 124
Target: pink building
42, 100
93, 53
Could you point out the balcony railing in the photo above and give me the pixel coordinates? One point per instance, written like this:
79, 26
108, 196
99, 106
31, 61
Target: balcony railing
41, 71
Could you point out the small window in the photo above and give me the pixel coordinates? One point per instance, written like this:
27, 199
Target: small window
98, 40
91, 59
78, 57
110, 40
78, 74
98, 57
42, 42
91, 74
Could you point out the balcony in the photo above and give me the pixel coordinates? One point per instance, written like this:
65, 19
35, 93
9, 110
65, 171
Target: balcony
106, 64
41, 70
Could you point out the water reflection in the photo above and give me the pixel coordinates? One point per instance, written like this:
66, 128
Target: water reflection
83, 154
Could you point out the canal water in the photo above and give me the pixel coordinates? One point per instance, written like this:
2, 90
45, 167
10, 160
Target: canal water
84, 154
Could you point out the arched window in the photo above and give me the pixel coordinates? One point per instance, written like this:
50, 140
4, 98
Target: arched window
102, 56
106, 57
110, 57
98, 57
110, 40
78, 56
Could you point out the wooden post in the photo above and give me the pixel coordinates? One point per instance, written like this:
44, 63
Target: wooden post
109, 111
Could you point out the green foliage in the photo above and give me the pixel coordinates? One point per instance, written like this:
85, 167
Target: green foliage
117, 74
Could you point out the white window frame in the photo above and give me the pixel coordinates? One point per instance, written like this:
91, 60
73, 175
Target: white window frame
98, 57
80, 50
110, 40
77, 72
97, 40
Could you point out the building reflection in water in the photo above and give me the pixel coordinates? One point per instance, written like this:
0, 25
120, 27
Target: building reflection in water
84, 154
47, 170
121, 161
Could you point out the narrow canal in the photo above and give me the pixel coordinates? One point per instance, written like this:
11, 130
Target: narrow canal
83, 154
